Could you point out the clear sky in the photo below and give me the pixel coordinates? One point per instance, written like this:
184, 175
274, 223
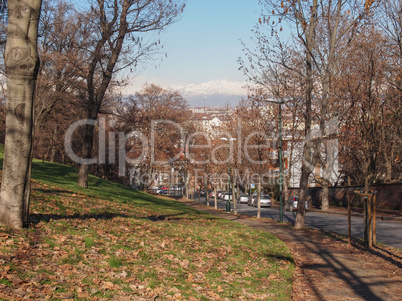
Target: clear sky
204, 44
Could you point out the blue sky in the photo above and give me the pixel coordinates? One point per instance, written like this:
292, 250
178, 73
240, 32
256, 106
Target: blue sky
204, 44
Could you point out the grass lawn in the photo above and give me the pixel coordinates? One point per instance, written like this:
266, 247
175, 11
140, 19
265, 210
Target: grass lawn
110, 241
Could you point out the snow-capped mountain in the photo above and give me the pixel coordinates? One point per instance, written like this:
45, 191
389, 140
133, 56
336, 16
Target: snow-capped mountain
214, 93
223, 87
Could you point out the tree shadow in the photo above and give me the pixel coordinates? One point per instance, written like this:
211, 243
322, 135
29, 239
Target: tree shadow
378, 251
36, 218
336, 267
333, 265
176, 217
51, 191
280, 257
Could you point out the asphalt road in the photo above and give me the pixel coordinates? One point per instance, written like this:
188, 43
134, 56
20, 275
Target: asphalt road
388, 232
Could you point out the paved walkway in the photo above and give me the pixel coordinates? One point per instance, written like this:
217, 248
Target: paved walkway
326, 268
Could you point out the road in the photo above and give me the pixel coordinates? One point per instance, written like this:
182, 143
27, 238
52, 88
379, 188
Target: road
388, 232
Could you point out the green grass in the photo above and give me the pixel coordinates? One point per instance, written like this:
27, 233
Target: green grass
6, 282
115, 262
105, 242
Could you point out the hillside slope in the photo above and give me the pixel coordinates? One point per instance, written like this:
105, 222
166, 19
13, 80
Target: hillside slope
111, 241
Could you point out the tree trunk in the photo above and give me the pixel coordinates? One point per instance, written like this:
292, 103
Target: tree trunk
299, 222
324, 195
87, 145
86, 154
216, 198
388, 156
259, 198
206, 194
366, 183
307, 147
22, 63
53, 145
234, 194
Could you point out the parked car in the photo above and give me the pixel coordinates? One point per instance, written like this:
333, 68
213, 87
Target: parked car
265, 201
220, 194
226, 196
243, 199
162, 190
291, 204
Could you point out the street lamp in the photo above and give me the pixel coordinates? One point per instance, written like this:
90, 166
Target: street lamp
280, 159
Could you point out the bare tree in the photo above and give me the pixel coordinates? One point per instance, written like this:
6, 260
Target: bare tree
156, 113
371, 128
257, 121
318, 54
22, 63
118, 41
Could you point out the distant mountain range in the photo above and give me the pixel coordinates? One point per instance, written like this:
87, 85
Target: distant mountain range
214, 93
218, 93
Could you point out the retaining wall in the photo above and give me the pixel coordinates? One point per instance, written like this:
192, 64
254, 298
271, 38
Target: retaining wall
389, 196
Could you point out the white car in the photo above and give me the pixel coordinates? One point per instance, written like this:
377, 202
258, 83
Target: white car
291, 204
226, 196
265, 201
243, 199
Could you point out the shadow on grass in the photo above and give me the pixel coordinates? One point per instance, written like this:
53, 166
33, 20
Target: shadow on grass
38, 217
51, 191
175, 217
280, 257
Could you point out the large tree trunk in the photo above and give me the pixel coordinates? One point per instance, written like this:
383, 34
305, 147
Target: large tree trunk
22, 63
305, 173
307, 157
307, 149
